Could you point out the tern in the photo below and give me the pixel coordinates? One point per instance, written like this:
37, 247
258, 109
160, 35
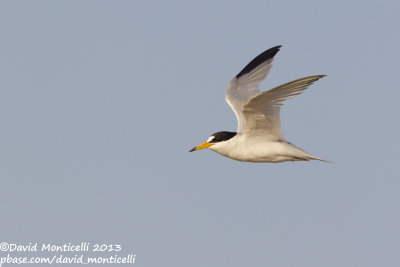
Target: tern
259, 136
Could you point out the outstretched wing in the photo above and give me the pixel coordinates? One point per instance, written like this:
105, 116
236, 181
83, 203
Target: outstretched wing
261, 112
245, 84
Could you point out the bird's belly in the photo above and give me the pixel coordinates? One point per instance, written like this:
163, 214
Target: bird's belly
261, 152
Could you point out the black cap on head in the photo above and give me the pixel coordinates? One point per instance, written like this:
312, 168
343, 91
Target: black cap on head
221, 136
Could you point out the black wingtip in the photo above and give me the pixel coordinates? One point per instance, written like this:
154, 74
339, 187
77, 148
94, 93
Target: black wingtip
264, 56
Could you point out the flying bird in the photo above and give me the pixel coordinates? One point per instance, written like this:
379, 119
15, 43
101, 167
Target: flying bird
259, 136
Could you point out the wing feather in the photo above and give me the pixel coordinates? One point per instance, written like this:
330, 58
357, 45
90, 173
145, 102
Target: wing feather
261, 112
246, 83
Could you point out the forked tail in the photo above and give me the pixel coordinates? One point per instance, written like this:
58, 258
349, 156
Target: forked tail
311, 157
307, 156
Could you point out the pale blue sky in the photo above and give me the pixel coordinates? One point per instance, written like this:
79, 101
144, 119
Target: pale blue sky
101, 100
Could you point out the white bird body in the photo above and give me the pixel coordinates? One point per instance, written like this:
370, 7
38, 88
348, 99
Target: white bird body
260, 149
259, 136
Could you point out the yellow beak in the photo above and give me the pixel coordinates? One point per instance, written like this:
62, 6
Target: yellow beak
203, 145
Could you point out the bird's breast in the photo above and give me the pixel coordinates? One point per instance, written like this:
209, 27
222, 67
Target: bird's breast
253, 150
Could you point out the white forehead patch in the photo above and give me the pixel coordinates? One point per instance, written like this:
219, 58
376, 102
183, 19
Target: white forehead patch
210, 138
